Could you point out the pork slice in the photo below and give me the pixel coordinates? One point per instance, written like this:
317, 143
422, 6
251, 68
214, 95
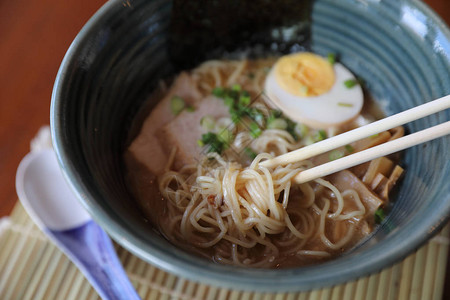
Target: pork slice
184, 131
146, 148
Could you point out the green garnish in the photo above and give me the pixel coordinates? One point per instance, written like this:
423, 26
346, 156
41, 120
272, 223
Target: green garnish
291, 128
237, 101
335, 154
275, 113
226, 136
374, 135
349, 148
250, 153
331, 58
303, 89
259, 118
177, 105
208, 122
276, 120
229, 102
379, 215
218, 92
236, 88
190, 108
244, 99
308, 140
215, 143
255, 131
320, 135
350, 83
301, 130
345, 104
278, 123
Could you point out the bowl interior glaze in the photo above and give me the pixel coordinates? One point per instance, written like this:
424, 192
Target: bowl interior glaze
400, 48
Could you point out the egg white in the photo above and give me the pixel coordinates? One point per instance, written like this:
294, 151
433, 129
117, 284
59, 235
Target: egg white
331, 109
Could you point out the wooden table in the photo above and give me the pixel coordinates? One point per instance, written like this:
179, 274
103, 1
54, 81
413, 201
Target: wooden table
34, 36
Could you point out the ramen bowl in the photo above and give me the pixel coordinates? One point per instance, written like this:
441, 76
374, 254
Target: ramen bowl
401, 49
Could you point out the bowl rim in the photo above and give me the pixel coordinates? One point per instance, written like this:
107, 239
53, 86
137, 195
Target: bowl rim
198, 269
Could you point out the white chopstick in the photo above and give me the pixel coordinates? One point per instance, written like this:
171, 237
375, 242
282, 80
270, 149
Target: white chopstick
346, 138
374, 152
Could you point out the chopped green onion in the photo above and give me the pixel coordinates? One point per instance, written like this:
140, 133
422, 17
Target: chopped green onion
335, 154
275, 113
331, 58
304, 89
270, 118
301, 130
345, 104
177, 105
291, 128
278, 123
255, 131
208, 122
308, 140
229, 102
379, 215
190, 108
235, 117
244, 100
349, 148
250, 153
236, 88
214, 142
320, 135
218, 92
350, 83
200, 143
258, 118
226, 136
374, 135
237, 101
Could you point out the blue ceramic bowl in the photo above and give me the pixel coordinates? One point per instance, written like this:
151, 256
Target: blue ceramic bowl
400, 48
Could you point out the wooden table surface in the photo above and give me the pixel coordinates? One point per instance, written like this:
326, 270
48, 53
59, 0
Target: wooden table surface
34, 36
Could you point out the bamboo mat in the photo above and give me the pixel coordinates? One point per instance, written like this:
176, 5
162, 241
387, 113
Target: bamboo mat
31, 267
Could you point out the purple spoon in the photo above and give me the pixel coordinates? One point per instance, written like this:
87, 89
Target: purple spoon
47, 198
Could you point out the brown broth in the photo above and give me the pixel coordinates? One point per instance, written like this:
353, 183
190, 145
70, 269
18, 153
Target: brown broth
144, 187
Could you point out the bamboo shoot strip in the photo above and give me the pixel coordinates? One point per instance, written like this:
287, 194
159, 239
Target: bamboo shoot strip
374, 152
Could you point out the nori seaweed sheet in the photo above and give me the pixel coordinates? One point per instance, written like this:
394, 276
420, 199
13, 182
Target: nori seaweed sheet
206, 29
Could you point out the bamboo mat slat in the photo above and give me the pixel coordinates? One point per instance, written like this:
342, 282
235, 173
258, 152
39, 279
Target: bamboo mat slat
31, 267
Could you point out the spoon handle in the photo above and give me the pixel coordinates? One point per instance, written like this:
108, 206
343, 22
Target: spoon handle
90, 248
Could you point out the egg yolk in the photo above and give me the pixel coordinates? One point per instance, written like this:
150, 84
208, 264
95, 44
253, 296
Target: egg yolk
304, 74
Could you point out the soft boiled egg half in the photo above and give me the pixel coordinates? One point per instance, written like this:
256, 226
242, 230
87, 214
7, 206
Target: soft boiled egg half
311, 90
